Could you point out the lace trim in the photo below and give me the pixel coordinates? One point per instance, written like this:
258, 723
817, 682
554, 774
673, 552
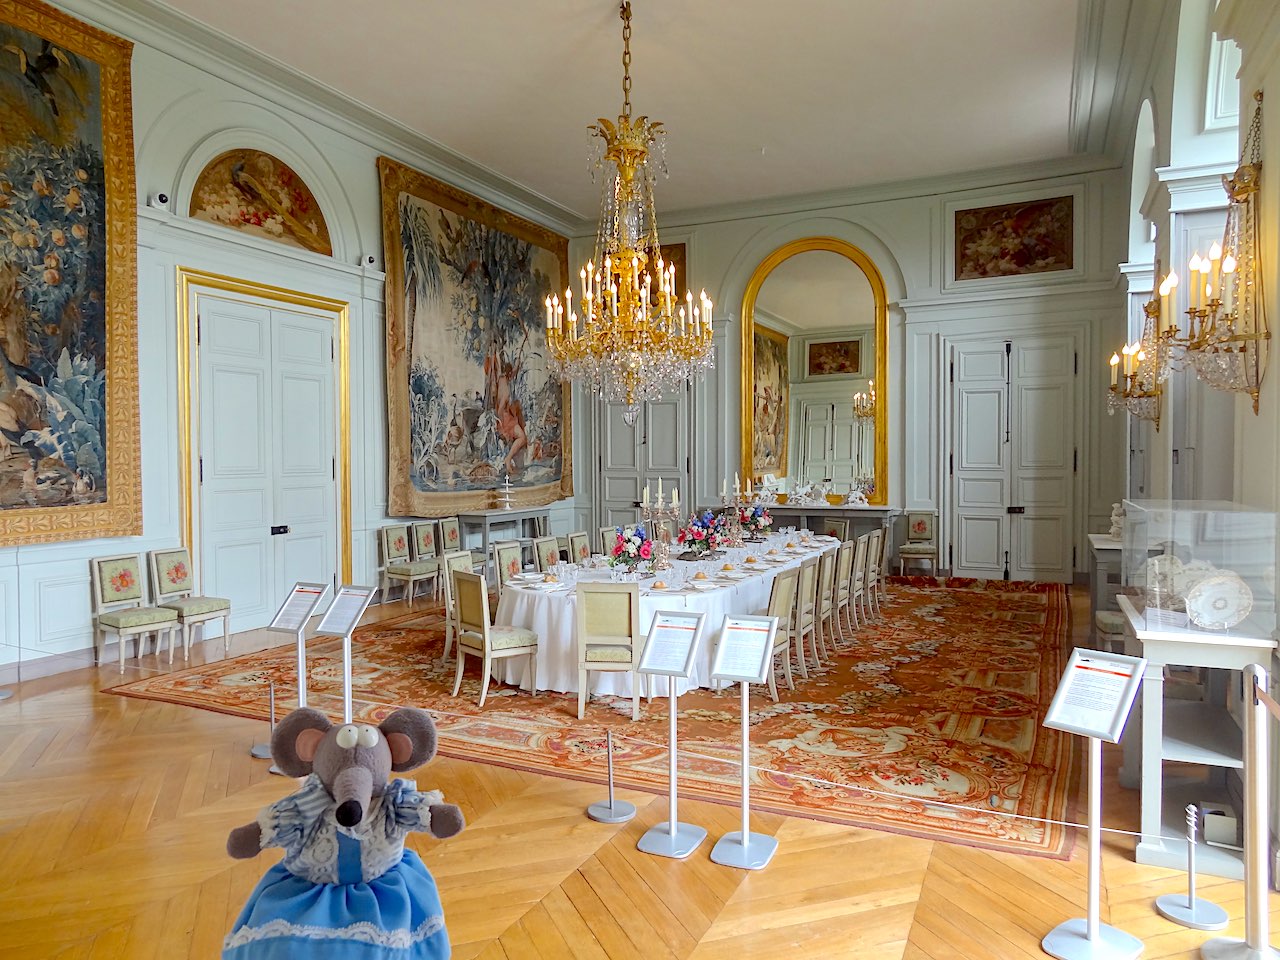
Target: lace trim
363, 932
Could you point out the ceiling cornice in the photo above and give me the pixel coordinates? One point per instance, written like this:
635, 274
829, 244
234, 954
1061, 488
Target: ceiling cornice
1255, 26
190, 41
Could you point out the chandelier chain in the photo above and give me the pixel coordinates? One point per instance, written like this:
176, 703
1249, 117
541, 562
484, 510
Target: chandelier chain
626, 57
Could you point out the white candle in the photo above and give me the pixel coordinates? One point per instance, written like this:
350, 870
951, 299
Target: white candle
724, 489
1115, 367
659, 491
644, 500
737, 486
675, 499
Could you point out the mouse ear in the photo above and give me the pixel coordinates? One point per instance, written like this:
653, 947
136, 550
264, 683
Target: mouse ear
296, 737
411, 735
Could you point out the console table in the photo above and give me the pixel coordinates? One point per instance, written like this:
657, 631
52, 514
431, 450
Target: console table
486, 520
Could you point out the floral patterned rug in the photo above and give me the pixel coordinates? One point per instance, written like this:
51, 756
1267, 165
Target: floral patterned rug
941, 700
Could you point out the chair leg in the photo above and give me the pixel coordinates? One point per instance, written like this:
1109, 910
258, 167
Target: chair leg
533, 673
168, 633
804, 667
97, 645
635, 696
582, 692
226, 635
484, 681
120, 640
786, 667
457, 674
448, 638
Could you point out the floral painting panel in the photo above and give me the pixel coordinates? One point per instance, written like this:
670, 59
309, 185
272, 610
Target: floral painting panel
772, 386
471, 399
68, 374
254, 192
834, 358
1015, 239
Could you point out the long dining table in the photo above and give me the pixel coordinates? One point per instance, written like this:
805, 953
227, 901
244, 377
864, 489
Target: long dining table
550, 610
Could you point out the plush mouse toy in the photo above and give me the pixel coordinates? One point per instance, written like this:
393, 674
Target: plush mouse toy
346, 888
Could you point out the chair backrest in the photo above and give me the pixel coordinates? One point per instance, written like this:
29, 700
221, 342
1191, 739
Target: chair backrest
874, 556
608, 537
860, 548
806, 588
472, 599
395, 542
782, 597
115, 582
827, 577
457, 560
546, 551
837, 527
919, 526
609, 613
424, 539
171, 574
579, 547
541, 525
449, 536
508, 560
844, 567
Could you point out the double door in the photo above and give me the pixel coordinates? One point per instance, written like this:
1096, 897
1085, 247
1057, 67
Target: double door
654, 448
1013, 458
267, 473
836, 445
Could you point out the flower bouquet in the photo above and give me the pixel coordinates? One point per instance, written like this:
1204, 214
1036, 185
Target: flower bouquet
755, 521
631, 546
703, 533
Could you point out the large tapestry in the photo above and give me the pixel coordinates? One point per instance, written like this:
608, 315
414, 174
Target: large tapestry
471, 402
772, 399
68, 281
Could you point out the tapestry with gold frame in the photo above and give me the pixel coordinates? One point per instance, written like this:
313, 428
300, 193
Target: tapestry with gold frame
68, 281
471, 401
772, 399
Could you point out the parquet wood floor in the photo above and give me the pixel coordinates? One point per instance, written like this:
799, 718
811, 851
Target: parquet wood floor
114, 812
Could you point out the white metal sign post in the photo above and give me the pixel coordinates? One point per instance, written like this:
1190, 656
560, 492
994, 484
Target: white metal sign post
669, 651
743, 656
1093, 700
340, 620
292, 618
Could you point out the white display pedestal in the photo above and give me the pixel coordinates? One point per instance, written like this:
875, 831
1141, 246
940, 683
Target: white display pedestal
341, 620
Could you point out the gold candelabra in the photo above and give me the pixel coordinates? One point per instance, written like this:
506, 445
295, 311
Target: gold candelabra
864, 404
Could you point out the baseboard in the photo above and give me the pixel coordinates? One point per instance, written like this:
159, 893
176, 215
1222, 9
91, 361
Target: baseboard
55, 663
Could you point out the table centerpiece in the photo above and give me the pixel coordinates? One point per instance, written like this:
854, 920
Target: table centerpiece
702, 535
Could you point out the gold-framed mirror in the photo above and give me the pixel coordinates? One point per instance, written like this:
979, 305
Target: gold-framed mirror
814, 384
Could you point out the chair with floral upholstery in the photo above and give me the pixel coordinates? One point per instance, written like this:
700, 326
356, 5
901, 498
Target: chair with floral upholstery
508, 560
608, 537
579, 547
837, 527
397, 564
825, 612
449, 562
546, 553
449, 539
116, 596
173, 587
782, 597
609, 637
477, 638
423, 535
844, 587
871, 579
920, 545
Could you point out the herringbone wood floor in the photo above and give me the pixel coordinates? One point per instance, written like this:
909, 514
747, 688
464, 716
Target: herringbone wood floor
114, 812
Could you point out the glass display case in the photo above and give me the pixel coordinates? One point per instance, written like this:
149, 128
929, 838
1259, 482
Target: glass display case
1206, 567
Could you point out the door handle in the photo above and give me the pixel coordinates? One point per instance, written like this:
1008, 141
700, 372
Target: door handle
1016, 510
276, 531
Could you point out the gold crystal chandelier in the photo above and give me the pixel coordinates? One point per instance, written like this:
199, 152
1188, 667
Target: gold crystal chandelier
631, 338
864, 404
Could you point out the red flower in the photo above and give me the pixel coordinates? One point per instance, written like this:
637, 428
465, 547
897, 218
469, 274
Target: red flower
584, 552
617, 548
399, 544
513, 567
453, 534
646, 551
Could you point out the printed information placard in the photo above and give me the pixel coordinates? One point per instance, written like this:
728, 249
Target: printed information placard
671, 645
746, 646
298, 607
344, 613
1095, 694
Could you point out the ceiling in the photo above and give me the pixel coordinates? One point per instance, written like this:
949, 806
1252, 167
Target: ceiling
761, 99
815, 291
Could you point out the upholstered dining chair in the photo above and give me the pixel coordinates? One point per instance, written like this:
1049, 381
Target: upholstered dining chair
608, 537
826, 601
508, 560
449, 562
423, 535
844, 587
782, 598
546, 553
920, 545
398, 565
116, 596
579, 547
609, 637
476, 638
858, 579
804, 618
837, 527
871, 578
173, 586
449, 540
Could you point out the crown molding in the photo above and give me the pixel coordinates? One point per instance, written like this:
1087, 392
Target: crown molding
1255, 26
177, 35
1048, 293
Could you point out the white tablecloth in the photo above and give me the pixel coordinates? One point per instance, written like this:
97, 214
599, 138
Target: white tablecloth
551, 615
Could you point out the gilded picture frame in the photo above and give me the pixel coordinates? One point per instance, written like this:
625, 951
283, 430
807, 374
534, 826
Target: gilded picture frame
471, 401
69, 468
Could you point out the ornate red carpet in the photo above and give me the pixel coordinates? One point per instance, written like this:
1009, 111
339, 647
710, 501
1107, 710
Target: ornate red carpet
941, 700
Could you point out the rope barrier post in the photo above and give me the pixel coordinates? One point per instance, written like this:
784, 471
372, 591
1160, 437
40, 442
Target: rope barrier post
742, 848
1191, 911
262, 751
673, 838
1256, 944
614, 811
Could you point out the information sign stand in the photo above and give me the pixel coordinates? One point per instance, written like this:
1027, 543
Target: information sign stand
669, 651
292, 618
743, 656
341, 620
1093, 701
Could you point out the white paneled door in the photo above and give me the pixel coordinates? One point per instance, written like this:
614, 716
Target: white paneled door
1013, 458
655, 447
836, 446
266, 454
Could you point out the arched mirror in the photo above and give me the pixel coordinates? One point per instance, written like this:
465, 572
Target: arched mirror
814, 392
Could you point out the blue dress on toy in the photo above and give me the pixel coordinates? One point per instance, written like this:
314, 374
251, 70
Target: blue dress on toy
343, 893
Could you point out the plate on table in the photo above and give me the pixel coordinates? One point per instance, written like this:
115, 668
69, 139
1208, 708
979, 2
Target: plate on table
731, 575
1219, 602
527, 577
702, 585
